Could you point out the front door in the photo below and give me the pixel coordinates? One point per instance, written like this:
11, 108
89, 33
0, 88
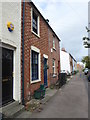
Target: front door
45, 72
7, 75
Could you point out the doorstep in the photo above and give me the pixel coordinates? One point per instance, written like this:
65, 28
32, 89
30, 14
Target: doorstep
11, 110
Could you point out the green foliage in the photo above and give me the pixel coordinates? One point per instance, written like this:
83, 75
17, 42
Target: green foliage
77, 71
86, 60
83, 69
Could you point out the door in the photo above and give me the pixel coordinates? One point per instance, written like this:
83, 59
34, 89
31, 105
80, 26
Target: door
45, 72
7, 75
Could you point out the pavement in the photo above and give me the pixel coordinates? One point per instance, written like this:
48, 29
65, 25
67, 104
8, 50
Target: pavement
0, 116
48, 95
71, 101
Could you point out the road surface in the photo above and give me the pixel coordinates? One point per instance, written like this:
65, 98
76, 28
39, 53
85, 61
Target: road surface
69, 102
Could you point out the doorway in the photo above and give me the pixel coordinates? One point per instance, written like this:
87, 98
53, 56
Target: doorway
7, 75
45, 72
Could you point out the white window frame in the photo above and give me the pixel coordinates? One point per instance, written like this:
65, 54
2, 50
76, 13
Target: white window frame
38, 20
45, 56
54, 67
54, 47
39, 76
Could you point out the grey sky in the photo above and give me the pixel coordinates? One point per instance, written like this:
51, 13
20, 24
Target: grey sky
68, 19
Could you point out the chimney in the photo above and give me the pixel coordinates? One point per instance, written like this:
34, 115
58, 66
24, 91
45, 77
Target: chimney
47, 20
63, 49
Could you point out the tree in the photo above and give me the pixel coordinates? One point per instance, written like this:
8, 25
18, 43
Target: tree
86, 40
86, 61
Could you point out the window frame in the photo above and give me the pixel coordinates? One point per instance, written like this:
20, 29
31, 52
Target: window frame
34, 65
54, 46
53, 66
38, 23
33, 48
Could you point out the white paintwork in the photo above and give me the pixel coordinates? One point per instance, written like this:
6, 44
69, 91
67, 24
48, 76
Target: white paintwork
38, 34
65, 61
38, 51
35, 49
51, 50
45, 56
11, 12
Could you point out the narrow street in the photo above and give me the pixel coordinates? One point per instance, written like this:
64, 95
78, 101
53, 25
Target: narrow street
69, 102
45, 59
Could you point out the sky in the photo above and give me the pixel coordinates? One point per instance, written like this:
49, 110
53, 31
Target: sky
68, 18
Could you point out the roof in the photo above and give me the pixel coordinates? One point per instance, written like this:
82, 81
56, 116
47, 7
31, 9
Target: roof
30, 2
72, 57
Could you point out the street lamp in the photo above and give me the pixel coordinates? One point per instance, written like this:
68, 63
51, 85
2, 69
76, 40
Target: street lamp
87, 29
86, 40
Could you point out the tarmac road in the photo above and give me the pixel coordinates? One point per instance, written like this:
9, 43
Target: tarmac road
70, 102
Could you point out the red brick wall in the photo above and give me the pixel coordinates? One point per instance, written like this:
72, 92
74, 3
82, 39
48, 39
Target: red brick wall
41, 43
29, 40
53, 55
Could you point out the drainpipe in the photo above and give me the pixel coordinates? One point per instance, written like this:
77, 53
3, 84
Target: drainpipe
23, 54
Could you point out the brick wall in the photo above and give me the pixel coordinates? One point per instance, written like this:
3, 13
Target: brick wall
55, 54
29, 40
44, 43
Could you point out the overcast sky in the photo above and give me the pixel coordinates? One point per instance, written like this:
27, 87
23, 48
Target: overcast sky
68, 19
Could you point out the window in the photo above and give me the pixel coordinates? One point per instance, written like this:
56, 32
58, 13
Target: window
53, 42
53, 66
35, 68
35, 22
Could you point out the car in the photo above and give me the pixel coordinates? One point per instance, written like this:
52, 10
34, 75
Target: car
65, 71
86, 71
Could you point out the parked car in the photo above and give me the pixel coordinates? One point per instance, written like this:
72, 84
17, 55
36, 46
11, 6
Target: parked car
86, 71
65, 71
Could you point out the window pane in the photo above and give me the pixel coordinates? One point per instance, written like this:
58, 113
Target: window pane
53, 69
53, 62
34, 65
53, 42
53, 66
35, 23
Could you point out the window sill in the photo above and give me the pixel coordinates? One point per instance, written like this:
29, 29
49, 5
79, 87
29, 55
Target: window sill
36, 34
54, 49
35, 81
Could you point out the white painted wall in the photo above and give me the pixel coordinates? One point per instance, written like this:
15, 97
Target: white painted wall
11, 12
65, 61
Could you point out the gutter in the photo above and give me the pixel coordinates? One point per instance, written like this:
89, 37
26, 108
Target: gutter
23, 102
30, 1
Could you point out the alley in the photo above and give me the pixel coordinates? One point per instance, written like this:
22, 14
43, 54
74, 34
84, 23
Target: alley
69, 102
